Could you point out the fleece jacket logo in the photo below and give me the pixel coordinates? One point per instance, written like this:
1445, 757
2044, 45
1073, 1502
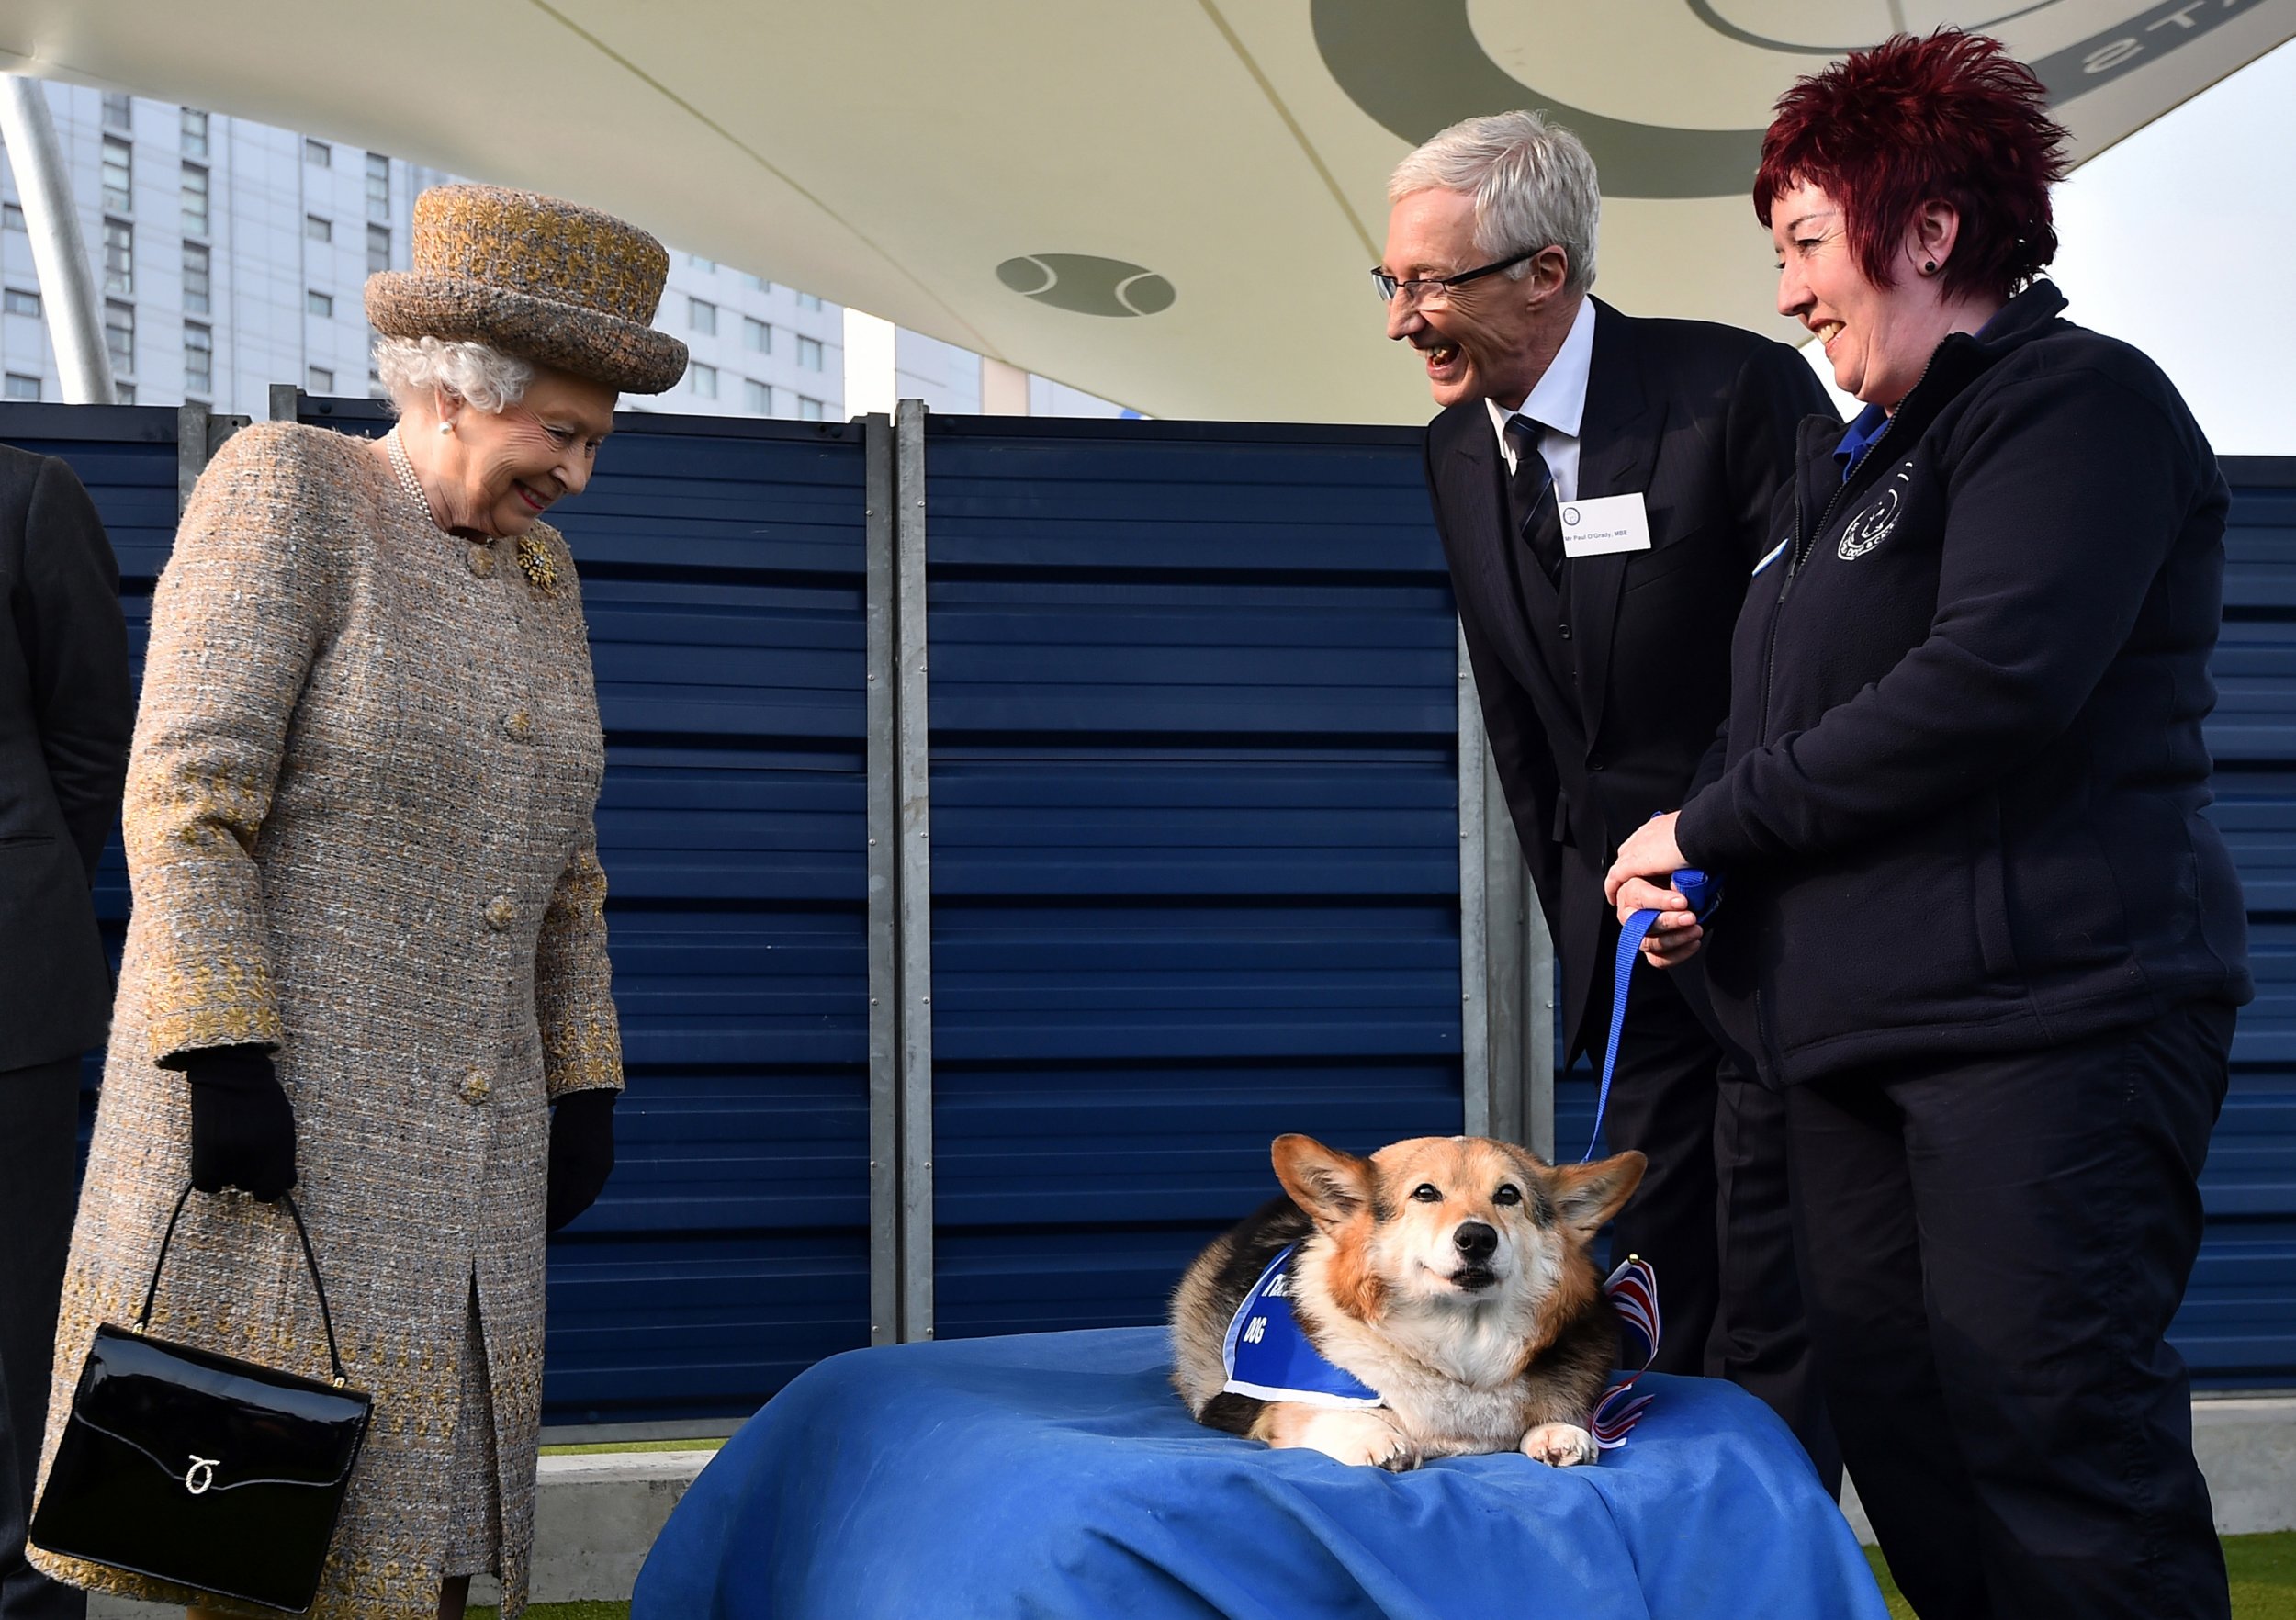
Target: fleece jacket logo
1872, 526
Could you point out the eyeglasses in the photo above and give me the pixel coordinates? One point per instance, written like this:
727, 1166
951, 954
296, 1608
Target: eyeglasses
1435, 289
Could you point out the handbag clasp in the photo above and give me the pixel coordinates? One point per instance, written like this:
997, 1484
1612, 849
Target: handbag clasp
201, 1475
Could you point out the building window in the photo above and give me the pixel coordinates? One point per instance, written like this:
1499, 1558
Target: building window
119, 336
808, 410
12, 217
757, 397
195, 201
198, 299
756, 335
118, 112
119, 172
319, 303
808, 302
318, 380
120, 258
809, 353
378, 187
23, 388
377, 248
708, 266
123, 393
317, 228
318, 153
704, 380
18, 302
701, 316
198, 359
195, 140
755, 282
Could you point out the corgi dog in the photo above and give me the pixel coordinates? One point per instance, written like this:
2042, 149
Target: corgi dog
1443, 1299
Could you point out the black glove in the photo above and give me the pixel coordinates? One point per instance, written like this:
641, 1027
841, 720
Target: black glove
242, 1126
581, 1152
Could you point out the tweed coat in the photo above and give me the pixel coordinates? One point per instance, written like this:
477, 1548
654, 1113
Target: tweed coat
359, 825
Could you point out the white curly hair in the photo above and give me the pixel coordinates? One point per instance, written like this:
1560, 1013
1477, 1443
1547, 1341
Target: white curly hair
486, 378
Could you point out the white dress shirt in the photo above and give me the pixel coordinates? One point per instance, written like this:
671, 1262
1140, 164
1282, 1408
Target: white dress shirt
1557, 403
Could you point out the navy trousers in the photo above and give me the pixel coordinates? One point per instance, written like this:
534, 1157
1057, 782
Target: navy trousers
1993, 1247
39, 1127
1713, 1214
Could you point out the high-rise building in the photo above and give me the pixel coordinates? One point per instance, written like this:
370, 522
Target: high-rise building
231, 255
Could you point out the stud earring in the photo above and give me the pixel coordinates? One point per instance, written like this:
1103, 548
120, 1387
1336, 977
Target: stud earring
446, 427
1930, 267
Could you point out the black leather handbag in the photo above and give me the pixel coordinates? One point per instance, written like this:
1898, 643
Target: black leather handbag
197, 1468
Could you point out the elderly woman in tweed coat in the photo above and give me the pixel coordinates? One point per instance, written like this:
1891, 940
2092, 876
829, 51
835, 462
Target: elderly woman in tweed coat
368, 957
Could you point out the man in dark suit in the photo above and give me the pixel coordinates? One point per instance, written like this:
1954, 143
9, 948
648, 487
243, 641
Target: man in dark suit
66, 712
1603, 486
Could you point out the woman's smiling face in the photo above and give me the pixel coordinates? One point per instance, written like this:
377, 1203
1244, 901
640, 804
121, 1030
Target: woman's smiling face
501, 471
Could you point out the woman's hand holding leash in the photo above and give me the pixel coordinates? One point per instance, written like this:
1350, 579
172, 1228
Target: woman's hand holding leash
1638, 881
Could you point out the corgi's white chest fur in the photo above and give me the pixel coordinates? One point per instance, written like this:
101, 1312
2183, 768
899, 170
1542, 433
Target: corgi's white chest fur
1450, 1374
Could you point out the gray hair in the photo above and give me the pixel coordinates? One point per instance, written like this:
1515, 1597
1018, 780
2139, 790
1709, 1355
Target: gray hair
486, 378
1533, 182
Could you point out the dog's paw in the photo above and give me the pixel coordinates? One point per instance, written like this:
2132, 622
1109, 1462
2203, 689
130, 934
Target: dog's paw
1359, 1438
1559, 1445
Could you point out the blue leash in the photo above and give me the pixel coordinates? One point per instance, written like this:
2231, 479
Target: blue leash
1704, 893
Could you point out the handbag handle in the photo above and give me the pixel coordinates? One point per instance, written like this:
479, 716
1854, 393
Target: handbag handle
326, 1319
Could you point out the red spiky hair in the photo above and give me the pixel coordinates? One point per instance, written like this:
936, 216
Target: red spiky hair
1953, 118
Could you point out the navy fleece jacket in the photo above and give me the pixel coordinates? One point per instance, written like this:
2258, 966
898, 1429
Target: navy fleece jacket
1959, 801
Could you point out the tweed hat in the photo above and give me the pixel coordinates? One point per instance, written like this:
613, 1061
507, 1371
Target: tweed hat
533, 277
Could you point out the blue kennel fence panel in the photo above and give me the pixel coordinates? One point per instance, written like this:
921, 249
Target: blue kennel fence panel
1195, 839
2238, 1325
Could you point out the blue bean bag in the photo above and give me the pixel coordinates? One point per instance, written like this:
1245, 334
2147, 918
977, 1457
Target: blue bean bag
1057, 1475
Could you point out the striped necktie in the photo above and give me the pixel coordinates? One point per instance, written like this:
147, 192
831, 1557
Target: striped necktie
1529, 491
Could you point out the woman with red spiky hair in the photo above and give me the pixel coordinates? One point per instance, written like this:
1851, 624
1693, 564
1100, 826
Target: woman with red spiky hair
1979, 926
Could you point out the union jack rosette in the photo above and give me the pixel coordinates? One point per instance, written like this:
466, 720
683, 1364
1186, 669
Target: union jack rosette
1634, 1293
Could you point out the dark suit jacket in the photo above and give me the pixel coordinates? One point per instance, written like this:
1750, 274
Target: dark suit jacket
66, 714
1701, 418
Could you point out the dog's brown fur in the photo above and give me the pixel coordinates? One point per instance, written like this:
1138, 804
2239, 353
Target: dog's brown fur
1462, 1362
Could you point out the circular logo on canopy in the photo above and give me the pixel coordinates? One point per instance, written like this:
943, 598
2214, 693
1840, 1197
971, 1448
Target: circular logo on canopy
1087, 283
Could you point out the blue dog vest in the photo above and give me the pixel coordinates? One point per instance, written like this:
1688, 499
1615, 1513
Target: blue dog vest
1268, 1356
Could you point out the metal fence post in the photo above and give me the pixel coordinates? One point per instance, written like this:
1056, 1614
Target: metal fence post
1506, 960
915, 907
1476, 1047
884, 883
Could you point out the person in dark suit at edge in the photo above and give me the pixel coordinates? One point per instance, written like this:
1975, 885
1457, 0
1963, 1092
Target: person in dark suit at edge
66, 713
1601, 659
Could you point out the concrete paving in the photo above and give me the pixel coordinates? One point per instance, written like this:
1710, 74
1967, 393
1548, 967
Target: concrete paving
599, 1514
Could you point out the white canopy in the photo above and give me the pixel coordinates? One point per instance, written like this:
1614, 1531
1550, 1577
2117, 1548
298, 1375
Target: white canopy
1171, 202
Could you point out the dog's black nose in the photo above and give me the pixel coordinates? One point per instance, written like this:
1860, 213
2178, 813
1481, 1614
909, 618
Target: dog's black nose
1476, 1241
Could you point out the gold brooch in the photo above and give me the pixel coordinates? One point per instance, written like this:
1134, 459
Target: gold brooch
534, 559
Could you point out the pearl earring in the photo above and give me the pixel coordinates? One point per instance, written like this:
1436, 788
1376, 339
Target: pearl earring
446, 427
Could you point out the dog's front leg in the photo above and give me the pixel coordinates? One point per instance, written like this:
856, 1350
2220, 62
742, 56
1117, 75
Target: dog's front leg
1559, 1445
1355, 1435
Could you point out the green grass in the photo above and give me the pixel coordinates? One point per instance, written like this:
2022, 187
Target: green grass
632, 1445
2263, 1568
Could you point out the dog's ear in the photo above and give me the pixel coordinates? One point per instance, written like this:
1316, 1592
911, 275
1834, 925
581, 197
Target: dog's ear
1332, 1187
1587, 1195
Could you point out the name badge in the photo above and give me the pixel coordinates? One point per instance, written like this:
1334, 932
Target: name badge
1608, 523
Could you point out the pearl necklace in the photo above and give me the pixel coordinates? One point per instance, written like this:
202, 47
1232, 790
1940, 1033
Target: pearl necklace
403, 466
